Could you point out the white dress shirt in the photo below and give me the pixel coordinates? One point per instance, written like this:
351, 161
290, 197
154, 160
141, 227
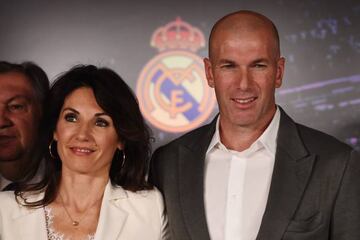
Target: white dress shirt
237, 185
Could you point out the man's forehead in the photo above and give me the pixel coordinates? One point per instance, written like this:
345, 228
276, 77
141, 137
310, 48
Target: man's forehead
241, 24
243, 20
248, 41
15, 84
242, 33
239, 40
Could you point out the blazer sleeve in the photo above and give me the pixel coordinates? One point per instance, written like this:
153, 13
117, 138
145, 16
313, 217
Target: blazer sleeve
346, 215
164, 234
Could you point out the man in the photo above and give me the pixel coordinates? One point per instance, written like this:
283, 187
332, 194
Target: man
23, 88
253, 173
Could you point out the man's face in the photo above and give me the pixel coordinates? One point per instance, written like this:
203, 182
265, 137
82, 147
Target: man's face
244, 69
19, 113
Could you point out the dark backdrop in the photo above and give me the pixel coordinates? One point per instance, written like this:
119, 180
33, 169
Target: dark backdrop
320, 41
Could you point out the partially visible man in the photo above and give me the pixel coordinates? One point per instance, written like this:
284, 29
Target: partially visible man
253, 173
23, 88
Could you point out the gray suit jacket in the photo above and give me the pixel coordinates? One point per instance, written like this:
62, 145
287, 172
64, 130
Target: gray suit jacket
314, 193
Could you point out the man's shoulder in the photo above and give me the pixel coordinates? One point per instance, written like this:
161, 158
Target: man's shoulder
188, 139
314, 138
315, 141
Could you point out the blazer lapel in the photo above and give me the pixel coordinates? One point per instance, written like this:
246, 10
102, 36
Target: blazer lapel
292, 169
191, 159
31, 222
112, 218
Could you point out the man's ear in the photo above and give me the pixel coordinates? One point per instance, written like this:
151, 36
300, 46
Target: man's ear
209, 73
280, 72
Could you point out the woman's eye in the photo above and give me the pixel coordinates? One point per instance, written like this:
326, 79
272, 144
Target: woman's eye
70, 117
101, 122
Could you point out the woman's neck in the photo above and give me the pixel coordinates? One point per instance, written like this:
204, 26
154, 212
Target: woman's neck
81, 191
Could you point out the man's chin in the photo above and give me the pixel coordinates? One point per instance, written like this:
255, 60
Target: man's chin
11, 153
12, 168
9, 156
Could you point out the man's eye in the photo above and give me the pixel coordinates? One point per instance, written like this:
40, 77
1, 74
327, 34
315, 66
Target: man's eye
101, 122
259, 65
70, 117
227, 65
17, 107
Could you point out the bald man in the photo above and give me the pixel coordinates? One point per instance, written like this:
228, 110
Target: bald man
253, 173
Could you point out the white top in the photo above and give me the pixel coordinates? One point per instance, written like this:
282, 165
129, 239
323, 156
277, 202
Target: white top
51, 231
237, 185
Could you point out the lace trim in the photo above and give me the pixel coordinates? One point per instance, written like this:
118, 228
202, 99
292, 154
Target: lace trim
51, 233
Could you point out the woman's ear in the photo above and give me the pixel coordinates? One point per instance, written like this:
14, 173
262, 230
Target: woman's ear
55, 136
120, 146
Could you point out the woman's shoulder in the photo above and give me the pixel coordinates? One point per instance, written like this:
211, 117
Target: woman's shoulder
152, 193
144, 198
7, 197
146, 203
8, 201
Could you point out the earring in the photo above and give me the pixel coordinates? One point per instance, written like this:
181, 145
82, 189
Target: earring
50, 149
124, 159
116, 157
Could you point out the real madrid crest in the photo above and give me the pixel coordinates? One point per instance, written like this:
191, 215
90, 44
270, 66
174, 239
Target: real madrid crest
172, 88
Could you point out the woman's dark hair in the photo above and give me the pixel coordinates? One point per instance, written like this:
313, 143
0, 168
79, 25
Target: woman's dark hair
115, 97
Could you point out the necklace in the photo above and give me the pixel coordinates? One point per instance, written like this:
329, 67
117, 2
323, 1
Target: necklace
76, 223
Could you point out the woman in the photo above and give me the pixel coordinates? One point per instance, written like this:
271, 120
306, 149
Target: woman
94, 185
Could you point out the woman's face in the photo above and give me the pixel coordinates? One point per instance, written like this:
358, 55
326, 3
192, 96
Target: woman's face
85, 134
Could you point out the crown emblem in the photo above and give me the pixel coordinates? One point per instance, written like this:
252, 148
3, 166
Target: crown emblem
178, 34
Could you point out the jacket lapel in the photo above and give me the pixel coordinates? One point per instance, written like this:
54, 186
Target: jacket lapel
31, 222
191, 159
292, 169
112, 218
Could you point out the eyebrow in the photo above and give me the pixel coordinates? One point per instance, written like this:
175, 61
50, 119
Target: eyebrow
101, 114
226, 61
70, 109
20, 97
260, 60
77, 112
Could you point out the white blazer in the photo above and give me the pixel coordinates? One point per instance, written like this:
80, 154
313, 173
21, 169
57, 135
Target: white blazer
124, 215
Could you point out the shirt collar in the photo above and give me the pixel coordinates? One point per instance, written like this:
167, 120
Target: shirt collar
267, 139
269, 136
215, 141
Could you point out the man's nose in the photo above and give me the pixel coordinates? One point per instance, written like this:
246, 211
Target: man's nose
5, 121
243, 80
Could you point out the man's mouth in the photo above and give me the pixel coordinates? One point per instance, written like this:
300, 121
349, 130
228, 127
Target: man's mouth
244, 100
4, 139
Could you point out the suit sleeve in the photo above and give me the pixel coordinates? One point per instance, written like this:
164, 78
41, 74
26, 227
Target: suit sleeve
154, 171
346, 215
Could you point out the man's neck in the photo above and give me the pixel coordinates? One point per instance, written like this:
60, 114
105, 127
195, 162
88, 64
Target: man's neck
240, 138
231, 139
